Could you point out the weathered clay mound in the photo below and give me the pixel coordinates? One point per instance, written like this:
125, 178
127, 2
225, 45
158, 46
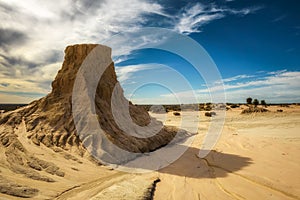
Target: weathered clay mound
254, 110
50, 122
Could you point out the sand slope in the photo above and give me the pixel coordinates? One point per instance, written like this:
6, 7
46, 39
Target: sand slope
257, 157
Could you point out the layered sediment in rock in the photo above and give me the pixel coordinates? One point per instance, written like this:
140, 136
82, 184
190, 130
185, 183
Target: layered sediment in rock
28, 133
49, 121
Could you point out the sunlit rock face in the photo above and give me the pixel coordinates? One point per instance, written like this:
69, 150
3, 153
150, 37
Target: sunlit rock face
49, 121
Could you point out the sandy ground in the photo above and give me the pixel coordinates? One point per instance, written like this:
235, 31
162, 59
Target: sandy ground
83, 179
256, 157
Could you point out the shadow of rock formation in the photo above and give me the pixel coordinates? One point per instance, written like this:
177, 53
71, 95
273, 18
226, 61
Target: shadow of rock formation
190, 165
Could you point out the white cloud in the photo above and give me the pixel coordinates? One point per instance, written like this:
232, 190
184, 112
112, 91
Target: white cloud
52, 25
277, 72
275, 87
288, 80
126, 72
22, 79
279, 86
192, 18
238, 77
46, 28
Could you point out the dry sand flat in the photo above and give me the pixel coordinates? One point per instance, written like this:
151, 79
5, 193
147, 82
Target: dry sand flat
257, 157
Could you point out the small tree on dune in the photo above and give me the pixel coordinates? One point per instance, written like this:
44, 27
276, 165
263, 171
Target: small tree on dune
249, 100
263, 103
255, 102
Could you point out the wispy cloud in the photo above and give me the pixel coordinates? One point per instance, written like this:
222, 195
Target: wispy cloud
279, 72
279, 18
238, 77
274, 87
125, 73
192, 17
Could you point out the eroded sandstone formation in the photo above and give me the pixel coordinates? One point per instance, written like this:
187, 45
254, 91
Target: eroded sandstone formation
49, 121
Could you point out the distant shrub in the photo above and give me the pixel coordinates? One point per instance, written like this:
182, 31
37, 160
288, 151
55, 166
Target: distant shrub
210, 114
249, 100
176, 113
207, 114
285, 105
255, 102
263, 103
234, 106
254, 110
208, 108
279, 110
201, 107
222, 106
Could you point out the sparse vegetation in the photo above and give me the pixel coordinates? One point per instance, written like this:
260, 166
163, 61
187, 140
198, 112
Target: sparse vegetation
210, 114
208, 107
234, 106
249, 100
207, 114
255, 102
263, 103
285, 105
176, 113
254, 110
213, 113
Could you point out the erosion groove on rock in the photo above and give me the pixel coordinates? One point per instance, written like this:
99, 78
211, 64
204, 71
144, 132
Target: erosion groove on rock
47, 124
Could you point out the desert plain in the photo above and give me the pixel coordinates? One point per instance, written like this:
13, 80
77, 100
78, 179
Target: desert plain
256, 157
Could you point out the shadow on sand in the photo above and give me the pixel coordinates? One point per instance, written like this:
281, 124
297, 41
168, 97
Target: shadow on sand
214, 165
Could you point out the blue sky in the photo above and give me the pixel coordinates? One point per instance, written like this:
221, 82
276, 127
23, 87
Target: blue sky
254, 44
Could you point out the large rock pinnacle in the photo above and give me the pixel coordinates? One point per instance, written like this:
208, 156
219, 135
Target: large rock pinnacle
49, 120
